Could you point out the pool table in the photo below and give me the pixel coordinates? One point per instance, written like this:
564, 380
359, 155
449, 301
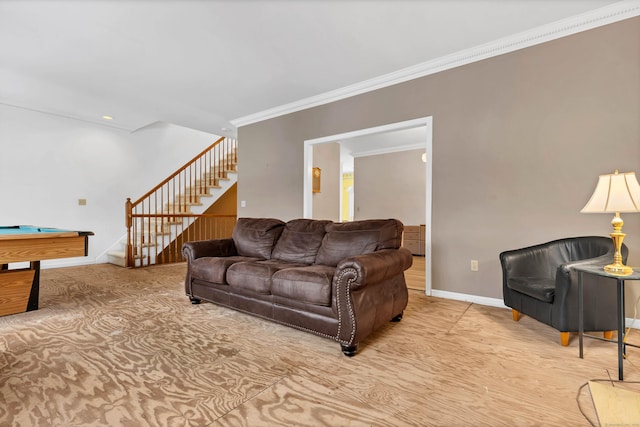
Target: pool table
20, 287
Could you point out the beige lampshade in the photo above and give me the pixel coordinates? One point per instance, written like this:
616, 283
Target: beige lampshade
617, 192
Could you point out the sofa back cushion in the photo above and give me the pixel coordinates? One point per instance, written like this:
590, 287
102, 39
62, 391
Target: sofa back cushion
344, 240
256, 237
300, 241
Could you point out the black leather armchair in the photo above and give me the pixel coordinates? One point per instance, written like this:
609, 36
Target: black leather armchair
538, 281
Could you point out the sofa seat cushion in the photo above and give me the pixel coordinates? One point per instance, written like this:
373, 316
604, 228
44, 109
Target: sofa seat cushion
300, 241
311, 284
540, 288
255, 237
344, 240
214, 269
255, 276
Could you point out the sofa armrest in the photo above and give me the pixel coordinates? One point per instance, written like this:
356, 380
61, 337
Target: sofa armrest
370, 290
209, 248
374, 267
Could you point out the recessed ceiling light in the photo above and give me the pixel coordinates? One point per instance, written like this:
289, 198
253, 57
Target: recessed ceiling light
107, 117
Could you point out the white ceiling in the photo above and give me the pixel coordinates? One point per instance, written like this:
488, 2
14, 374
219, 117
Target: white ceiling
203, 64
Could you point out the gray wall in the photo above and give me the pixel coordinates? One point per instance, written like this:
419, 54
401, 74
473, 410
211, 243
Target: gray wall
518, 143
390, 192
326, 203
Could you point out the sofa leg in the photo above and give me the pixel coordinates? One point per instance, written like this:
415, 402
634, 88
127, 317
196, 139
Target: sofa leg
397, 318
349, 350
607, 334
564, 338
515, 314
194, 300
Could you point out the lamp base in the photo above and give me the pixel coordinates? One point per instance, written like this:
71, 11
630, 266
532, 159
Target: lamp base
618, 269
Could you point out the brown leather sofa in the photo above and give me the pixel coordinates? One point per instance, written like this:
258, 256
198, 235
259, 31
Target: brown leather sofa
338, 280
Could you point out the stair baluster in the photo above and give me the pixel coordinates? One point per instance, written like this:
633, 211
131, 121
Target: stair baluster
161, 220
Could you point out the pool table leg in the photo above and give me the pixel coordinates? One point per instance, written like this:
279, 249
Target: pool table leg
35, 287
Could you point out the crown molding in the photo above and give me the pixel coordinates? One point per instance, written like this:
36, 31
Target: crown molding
606, 15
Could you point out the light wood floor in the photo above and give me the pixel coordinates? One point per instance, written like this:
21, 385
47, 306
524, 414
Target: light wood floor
120, 347
415, 276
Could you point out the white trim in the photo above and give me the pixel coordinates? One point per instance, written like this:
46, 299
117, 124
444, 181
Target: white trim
606, 15
428, 205
495, 302
475, 299
307, 199
70, 262
629, 323
407, 124
387, 150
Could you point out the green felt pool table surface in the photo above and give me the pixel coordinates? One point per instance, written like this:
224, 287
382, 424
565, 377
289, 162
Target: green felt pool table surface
27, 229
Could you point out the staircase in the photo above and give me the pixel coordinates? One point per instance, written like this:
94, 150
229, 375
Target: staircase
175, 211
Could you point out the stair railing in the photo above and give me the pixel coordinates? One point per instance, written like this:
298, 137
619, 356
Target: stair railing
156, 220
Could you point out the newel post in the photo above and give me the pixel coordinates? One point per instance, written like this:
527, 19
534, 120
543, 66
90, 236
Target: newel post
128, 213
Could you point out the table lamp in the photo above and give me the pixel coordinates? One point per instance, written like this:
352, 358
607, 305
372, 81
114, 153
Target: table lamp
615, 193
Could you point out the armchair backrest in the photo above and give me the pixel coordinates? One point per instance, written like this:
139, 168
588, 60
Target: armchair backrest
579, 248
544, 259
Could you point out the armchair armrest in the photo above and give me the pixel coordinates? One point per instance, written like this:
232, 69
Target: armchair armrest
597, 294
566, 268
209, 248
566, 276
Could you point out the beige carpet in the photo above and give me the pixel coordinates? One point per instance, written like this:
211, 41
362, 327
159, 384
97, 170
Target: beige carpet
118, 347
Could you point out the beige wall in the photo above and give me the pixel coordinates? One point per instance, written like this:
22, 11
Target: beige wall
326, 203
390, 186
227, 204
518, 143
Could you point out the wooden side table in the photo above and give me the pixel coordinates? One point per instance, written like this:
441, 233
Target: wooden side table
599, 271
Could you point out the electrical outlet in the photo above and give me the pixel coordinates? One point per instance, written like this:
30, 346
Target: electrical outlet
243, 203
474, 265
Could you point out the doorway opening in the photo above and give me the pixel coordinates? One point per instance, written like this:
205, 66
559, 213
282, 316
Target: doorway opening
422, 124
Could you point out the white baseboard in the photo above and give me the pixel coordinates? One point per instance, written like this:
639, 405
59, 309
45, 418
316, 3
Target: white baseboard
495, 302
67, 262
